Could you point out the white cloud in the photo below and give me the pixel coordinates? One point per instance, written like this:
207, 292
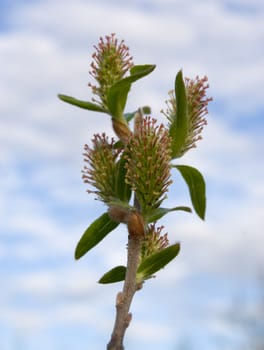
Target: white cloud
154, 330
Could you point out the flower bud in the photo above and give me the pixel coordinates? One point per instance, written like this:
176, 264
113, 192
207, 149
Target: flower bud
154, 241
122, 130
197, 102
135, 225
111, 61
118, 214
148, 157
101, 159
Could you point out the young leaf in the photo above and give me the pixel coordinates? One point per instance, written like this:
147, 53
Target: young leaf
146, 110
196, 185
117, 94
130, 116
179, 122
158, 213
94, 234
82, 104
117, 274
157, 261
140, 71
123, 190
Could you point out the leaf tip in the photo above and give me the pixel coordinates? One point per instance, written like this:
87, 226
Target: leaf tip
77, 254
202, 216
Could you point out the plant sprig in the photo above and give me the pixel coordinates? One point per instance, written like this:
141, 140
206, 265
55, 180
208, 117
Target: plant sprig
132, 175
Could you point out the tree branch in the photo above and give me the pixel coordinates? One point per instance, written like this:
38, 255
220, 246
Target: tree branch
136, 229
124, 298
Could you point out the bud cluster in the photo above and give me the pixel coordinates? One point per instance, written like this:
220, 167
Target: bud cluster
153, 241
148, 155
111, 61
197, 102
197, 108
101, 169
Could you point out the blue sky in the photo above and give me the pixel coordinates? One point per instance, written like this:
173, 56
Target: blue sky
50, 301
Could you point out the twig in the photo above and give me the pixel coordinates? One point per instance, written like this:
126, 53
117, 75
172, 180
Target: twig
135, 225
124, 298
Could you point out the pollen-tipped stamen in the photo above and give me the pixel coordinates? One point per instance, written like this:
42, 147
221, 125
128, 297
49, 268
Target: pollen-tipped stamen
148, 171
154, 241
111, 61
101, 170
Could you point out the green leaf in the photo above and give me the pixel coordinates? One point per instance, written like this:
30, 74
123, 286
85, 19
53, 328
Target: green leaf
158, 213
146, 269
82, 104
140, 71
179, 122
130, 116
123, 190
146, 110
118, 144
94, 234
117, 274
117, 94
197, 189
157, 261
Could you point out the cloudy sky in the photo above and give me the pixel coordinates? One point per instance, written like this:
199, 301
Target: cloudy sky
48, 300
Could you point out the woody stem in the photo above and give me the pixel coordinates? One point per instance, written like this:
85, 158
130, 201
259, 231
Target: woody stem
124, 298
